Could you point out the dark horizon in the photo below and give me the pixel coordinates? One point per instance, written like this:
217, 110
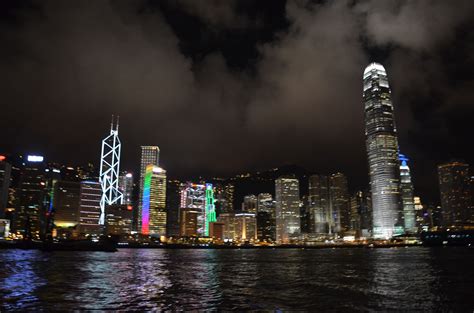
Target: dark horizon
238, 86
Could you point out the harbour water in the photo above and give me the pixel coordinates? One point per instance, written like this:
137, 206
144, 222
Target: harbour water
359, 279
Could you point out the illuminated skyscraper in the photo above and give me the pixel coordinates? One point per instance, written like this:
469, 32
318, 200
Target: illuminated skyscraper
245, 227
382, 150
149, 155
32, 191
210, 213
407, 196
66, 203
5, 171
339, 219
250, 204
89, 207
265, 217
318, 201
109, 171
188, 222
154, 202
454, 187
193, 196
126, 187
361, 213
287, 194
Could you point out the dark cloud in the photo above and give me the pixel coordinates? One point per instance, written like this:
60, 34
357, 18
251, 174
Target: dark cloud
67, 66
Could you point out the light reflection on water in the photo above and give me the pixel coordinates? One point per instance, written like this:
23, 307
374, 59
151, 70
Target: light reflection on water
332, 279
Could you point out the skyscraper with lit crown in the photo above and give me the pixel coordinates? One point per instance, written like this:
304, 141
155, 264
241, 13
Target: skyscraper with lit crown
154, 202
407, 196
382, 151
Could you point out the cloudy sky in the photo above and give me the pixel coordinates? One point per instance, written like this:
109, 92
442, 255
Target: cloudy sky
228, 86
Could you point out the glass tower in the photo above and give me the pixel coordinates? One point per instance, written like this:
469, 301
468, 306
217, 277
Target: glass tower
454, 187
154, 202
287, 195
149, 155
407, 195
382, 150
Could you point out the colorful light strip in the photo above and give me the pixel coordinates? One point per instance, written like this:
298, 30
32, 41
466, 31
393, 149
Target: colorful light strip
146, 200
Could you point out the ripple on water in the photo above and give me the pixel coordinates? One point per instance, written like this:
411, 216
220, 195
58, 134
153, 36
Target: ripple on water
336, 280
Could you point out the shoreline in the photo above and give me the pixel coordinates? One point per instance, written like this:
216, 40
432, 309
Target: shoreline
95, 247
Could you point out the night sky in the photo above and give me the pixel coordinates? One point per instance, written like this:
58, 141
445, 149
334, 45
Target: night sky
232, 86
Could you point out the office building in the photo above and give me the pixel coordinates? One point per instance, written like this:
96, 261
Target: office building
119, 219
30, 213
455, 194
89, 207
245, 227
339, 208
229, 194
287, 208
5, 172
193, 196
210, 212
126, 188
110, 170
173, 201
250, 204
318, 201
149, 155
266, 228
406, 186
382, 151
265, 203
361, 214
216, 231
188, 222
228, 219
66, 203
154, 202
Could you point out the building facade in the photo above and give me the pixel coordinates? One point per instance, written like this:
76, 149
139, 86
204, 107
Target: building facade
149, 155
339, 208
455, 194
89, 207
406, 186
382, 151
154, 202
287, 208
318, 201
5, 173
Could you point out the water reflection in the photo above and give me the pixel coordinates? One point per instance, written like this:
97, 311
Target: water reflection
18, 279
336, 280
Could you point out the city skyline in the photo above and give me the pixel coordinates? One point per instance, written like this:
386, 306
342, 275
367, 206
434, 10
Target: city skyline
433, 97
272, 155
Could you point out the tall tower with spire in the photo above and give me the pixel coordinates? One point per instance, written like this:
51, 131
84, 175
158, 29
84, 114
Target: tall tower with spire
110, 170
382, 150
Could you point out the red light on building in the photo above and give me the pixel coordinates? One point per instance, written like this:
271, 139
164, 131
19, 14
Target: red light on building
2, 158
129, 207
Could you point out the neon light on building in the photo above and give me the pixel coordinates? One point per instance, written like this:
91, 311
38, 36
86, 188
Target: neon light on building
210, 214
146, 200
35, 158
109, 171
